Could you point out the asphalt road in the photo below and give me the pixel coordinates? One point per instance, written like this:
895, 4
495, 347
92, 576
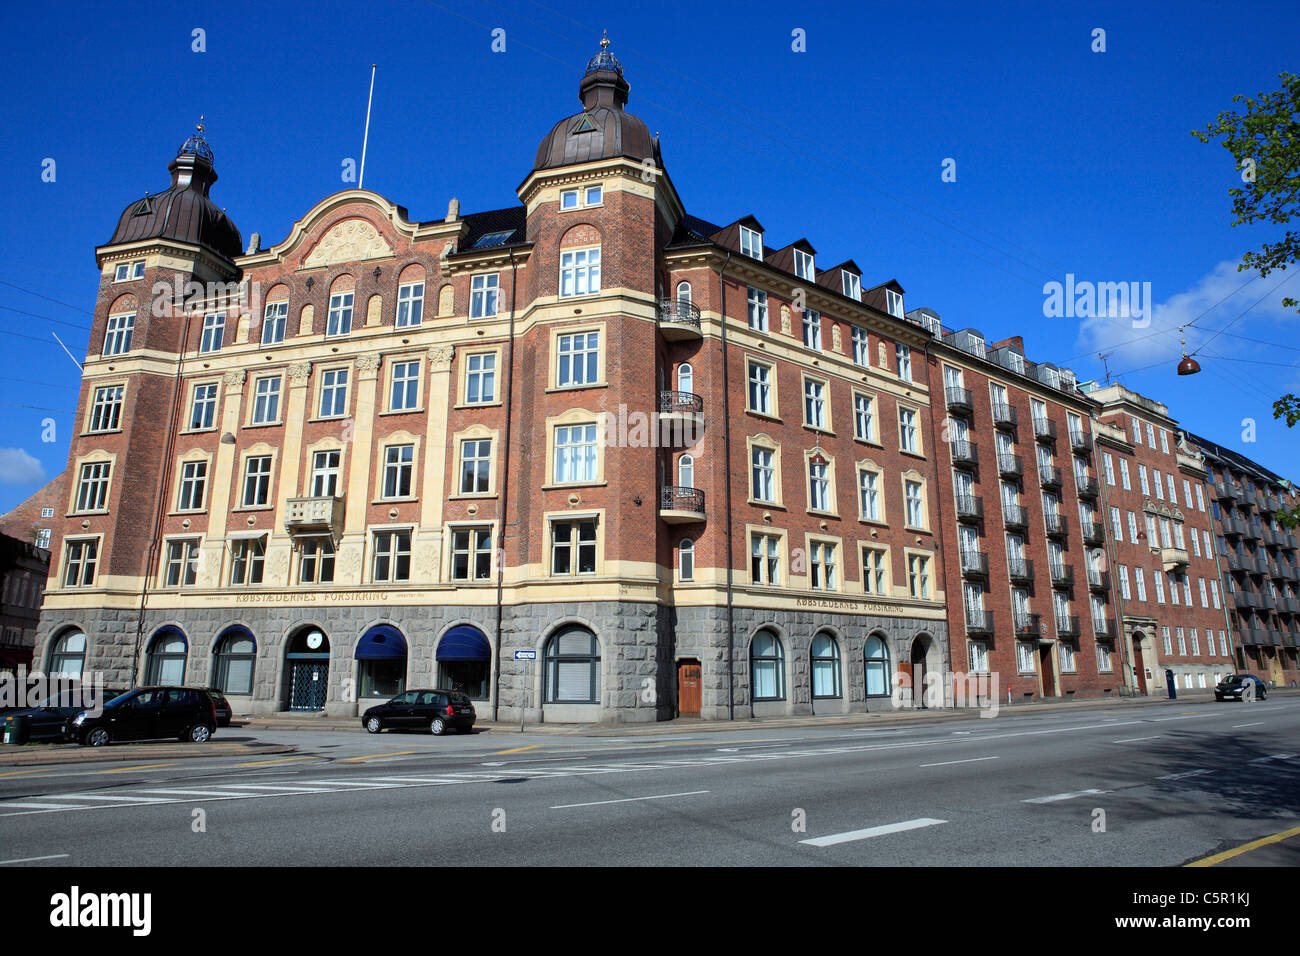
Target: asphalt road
1141, 786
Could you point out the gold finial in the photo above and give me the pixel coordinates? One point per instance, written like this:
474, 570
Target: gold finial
604, 39
199, 124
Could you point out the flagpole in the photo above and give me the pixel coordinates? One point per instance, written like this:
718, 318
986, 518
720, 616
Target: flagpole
366, 138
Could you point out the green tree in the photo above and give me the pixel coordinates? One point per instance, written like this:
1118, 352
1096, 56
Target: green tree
1264, 140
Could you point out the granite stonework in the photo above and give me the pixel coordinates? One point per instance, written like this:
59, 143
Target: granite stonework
640, 642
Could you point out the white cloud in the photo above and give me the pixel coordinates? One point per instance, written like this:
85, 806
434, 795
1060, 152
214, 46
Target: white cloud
19, 468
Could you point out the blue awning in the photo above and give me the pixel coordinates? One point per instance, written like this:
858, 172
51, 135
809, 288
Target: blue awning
381, 643
464, 643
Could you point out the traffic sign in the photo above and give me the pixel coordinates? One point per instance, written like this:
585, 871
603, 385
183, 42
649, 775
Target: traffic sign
525, 655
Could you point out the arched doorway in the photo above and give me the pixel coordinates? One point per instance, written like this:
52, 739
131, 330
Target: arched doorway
465, 661
926, 666
1139, 664
381, 663
306, 670
165, 658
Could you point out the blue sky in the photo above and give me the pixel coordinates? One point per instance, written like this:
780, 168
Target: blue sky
1067, 161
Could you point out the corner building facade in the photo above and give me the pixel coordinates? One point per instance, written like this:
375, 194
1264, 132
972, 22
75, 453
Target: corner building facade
386, 453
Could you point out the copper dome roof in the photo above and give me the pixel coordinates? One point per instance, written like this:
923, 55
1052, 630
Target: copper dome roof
602, 130
183, 212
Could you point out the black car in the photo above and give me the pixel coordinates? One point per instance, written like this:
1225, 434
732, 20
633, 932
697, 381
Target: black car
222, 706
146, 713
1240, 687
47, 722
434, 710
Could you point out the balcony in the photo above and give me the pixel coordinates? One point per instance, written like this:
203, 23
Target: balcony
958, 398
1045, 430
1267, 602
1269, 537
1098, 580
1174, 558
1062, 575
1079, 441
1049, 476
1094, 532
1268, 503
1291, 541
679, 505
1246, 599
1015, 517
681, 419
1290, 639
1010, 466
1067, 625
1057, 525
1088, 486
313, 517
964, 453
1227, 490
979, 622
1276, 571
1020, 569
1288, 605
1235, 561
1261, 564
1104, 629
1232, 526
1004, 416
1252, 636
969, 508
1250, 531
1029, 625
974, 564
679, 320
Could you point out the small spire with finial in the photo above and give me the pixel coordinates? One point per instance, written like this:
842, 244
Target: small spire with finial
604, 39
199, 125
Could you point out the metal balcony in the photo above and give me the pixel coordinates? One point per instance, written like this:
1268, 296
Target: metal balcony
1099, 580
1087, 485
1079, 440
1010, 466
1233, 527
1094, 532
979, 622
1049, 476
1045, 430
678, 505
1104, 629
1014, 516
1267, 602
1236, 562
1067, 625
1269, 503
1029, 624
314, 516
681, 419
1252, 636
969, 508
958, 398
1251, 531
1062, 575
1291, 541
1020, 569
964, 453
1057, 525
1004, 416
1290, 639
1227, 490
1247, 599
974, 564
679, 320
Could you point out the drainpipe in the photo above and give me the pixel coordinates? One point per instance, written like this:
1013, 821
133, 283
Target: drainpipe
507, 386
726, 462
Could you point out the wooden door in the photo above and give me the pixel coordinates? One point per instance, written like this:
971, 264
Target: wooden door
688, 688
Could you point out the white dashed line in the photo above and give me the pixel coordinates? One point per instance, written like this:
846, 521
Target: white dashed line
601, 803
1185, 773
948, 763
1132, 740
1064, 796
867, 834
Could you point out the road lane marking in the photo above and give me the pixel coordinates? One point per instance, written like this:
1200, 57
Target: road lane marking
1271, 757
147, 766
27, 805
95, 796
600, 803
400, 753
191, 793
1132, 740
867, 834
34, 859
259, 763
434, 780
19, 773
1253, 724
946, 763
1185, 773
1064, 796
513, 750
1246, 847
268, 786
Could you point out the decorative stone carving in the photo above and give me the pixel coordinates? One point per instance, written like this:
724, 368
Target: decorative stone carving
453, 210
254, 243
836, 343
447, 249
440, 357
348, 241
880, 354
373, 309
785, 319
446, 300
368, 364
234, 378
299, 372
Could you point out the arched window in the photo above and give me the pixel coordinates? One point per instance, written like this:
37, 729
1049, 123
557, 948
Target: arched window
686, 471
684, 293
825, 666
685, 377
572, 662
232, 671
686, 560
876, 654
68, 655
165, 659
381, 663
767, 666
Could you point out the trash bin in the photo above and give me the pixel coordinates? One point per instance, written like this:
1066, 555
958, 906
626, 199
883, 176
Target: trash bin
16, 730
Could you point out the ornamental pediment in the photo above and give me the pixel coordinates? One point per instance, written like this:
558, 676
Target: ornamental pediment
350, 240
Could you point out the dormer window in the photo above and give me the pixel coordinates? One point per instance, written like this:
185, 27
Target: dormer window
803, 265
851, 284
751, 243
894, 303
127, 271
1017, 362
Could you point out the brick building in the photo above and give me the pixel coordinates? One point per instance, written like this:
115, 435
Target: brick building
23, 570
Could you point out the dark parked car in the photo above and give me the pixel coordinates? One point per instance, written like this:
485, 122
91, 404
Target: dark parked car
48, 721
146, 713
436, 710
1235, 687
223, 708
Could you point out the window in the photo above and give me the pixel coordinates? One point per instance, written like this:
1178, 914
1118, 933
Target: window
1024, 657
247, 556
340, 314
764, 559
181, 566
165, 658
316, 565
578, 357
106, 411
1123, 582
68, 656
203, 407
117, 334
392, 561
894, 303
1139, 581
760, 388
814, 403
128, 270
903, 354
579, 272
483, 294
43, 537
405, 394
47, 512
325, 474
410, 304
915, 507
214, 329
471, 554
1200, 499
399, 466
977, 653
1068, 665
812, 329
767, 666
1123, 473
573, 546
476, 465
257, 481
82, 556
274, 320
1214, 594
863, 417
819, 485
575, 454
1137, 429
876, 660
1103, 658
686, 560
873, 571
234, 658
92, 489
481, 378
851, 285
569, 198
1151, 435
194, 478
869, 494
751, 243
907, 430
803, 265
266, 400
591, 196
1196, 639
572, 662
757, 309
1182, 641
763, 472
861, 348
825, 654
334, 393
821, 567
1116, 528
1168, 642
918, 576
